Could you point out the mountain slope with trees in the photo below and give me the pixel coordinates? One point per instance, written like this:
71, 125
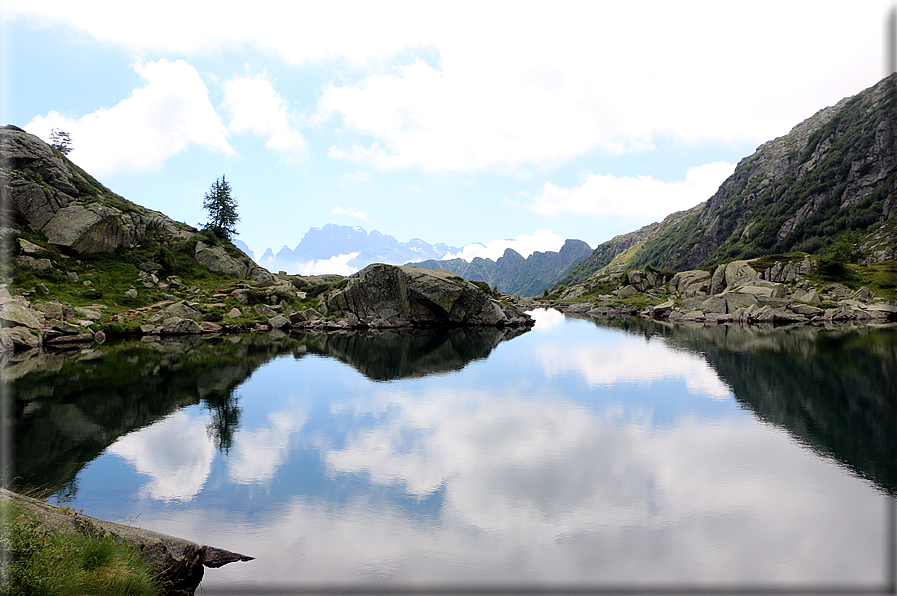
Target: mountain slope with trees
830, 182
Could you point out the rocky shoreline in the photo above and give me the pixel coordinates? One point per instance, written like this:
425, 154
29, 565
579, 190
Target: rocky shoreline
378, 297
736, 292
391, 297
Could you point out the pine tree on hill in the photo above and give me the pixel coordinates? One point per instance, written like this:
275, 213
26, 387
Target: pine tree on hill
222, 208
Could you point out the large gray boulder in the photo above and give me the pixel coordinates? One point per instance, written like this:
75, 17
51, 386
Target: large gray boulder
89, 228
18, 313
690, 283
216, 260
419, 297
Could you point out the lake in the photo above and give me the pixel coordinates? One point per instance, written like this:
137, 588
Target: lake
578, 455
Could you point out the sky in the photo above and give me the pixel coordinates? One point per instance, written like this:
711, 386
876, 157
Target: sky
488, 124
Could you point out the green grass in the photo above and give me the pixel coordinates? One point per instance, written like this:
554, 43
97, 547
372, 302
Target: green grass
44, 562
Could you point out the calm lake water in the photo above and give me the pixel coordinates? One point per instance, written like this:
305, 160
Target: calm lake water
580, 454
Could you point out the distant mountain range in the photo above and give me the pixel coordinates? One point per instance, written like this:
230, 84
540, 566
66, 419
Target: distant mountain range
512, 273
321, 244
831, 182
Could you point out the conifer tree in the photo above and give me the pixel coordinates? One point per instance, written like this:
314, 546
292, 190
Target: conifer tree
61, 140
222, 208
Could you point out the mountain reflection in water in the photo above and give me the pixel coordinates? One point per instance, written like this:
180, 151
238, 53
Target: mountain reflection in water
622, 452
70, 405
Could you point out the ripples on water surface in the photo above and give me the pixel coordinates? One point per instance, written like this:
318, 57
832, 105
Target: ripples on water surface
578, 453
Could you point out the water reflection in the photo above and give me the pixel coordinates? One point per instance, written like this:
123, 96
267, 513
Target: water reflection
70, 405
586, 453
834, 389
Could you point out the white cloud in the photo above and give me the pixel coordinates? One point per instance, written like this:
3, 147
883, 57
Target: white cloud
337, 210
158, 120
515, 86
337, 265
176, 453
355, 177
541, 241
639, 197
546, 319
632, 360
259, 452
255, 106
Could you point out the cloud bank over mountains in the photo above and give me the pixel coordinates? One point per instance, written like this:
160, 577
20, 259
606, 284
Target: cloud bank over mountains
343, 250
572, 118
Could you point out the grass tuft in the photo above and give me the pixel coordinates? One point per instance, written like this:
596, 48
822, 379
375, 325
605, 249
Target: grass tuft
43, 562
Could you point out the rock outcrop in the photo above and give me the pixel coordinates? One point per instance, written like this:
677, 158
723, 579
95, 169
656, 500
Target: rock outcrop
216, 260
46, 193
179, 563
739, 291
391, 296
834, 173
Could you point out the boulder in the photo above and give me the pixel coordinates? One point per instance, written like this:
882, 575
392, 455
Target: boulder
179, 326
21, 338
758, 287
216, 260
15, 313
278, 321
420, 297
307, 315
836, 291
690, 283
663, 309
182, 309
91, 313
265, 311
718, 281
786, 271
64, 326
624, 292
806, 310
30, 247
642, 280
80, 338
736, 301
702, 304
34, 264
738, 270
863, 294
150, 267
809, 296
6, 343
87, 228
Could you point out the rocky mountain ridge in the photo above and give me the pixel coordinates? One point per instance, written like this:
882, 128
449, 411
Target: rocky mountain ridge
514, 274
47, 194
832, 176
333, 240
